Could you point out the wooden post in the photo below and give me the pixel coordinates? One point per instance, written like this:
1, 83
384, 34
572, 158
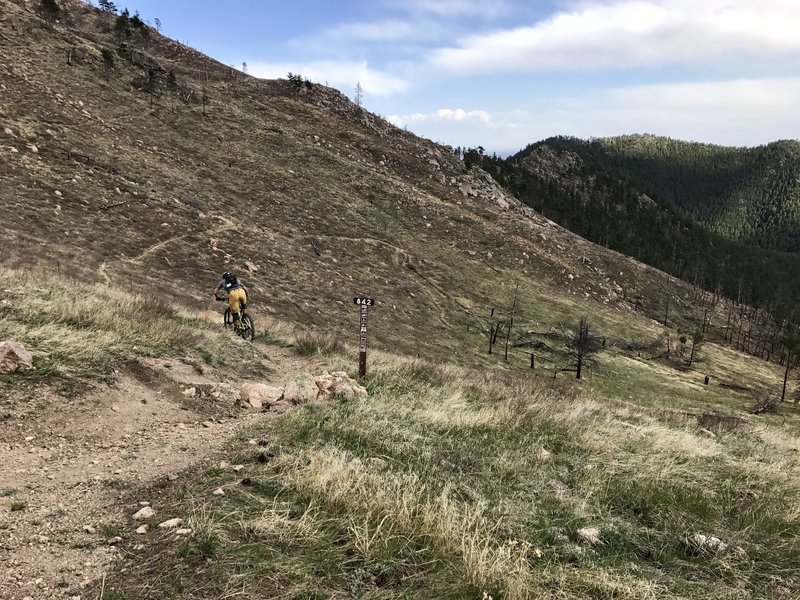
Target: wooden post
511, 322
364, 303
533, 360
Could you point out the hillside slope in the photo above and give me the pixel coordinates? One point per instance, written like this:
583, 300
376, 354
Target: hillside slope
751, 195
124, 174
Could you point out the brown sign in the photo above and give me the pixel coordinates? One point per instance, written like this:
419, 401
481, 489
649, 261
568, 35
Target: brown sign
364, 303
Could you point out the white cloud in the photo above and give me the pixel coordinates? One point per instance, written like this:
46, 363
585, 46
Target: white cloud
390, 30
452, 8
443, 115
342, 75
635, 33
743, 112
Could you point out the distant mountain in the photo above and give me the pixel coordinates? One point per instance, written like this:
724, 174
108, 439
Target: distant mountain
750, 195
720, 217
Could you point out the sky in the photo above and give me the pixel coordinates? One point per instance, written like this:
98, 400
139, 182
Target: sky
505, 73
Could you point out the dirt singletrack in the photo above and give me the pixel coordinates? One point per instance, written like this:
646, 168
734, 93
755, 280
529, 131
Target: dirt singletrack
72, 469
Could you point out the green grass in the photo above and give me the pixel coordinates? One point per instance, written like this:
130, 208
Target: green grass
436, 486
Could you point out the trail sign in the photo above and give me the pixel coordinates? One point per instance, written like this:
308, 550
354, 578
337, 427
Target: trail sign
364, 303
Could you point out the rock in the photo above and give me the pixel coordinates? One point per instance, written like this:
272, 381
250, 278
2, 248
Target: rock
142, 530
256, 395
339, 384
145, 513
33, 148
190, 392
250, 266
302, 389
184, 531
589, 535
89, 529
237, 468
223, 465
207, 424
708, 543
544, 455
171, 523
114, 540
57, 194
14, 357
218, 492
378, 462
7, 131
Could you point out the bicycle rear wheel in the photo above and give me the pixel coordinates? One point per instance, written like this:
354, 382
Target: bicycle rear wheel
247, 328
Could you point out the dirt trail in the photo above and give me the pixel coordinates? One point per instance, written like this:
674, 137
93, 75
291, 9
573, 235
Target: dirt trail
68, 467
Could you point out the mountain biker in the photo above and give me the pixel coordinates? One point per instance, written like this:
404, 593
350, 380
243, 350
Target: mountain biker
237, 294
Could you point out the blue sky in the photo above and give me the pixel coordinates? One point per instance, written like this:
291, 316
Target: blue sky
504, 73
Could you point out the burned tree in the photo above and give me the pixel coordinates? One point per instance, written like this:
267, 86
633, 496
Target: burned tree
583, 345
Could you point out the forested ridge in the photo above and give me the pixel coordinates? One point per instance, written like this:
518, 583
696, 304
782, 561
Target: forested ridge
724, 218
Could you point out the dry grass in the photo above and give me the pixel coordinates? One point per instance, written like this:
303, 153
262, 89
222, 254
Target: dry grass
76, 331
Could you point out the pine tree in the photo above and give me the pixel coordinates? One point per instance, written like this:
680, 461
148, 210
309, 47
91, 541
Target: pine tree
107, 6
49, 10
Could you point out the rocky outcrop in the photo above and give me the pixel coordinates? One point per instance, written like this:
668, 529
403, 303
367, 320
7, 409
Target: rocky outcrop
339, 383
14, 357
260, 395
302, 389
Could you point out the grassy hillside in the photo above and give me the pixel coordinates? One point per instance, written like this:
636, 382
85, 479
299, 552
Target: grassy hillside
449, 484
128, 184
116, 170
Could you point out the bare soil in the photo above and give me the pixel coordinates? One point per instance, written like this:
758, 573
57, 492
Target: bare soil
73, 468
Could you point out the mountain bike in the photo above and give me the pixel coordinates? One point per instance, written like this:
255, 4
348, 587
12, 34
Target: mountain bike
246, 328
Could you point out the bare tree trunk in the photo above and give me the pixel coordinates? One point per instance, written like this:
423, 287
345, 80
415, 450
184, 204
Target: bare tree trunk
511, 322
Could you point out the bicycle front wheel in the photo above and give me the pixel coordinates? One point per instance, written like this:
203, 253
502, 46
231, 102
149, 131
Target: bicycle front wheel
227, 318
247, 328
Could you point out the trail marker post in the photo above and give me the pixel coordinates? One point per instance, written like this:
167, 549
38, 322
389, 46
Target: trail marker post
364, 303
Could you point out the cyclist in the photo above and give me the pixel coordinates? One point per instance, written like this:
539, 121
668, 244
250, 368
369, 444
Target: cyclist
237, 294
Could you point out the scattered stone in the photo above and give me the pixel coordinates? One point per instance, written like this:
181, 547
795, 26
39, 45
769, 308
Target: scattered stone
115, 408
708, 543
250, 266
238, 468
589, 535
544, 455
171, 523
302, 389
89, 529
114, 540
223, 465
258, 395
189, 392
14, 357
218, 492
708, 433
184, 531
57, 194
7, 131
142, 530
339, 383
33, 148
207, 424
145, 513
378, 462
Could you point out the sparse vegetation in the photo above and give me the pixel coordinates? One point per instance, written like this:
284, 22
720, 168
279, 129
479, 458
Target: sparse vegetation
77, 332
310, 343
448, 484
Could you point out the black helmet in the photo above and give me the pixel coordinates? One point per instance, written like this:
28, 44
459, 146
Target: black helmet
228, 276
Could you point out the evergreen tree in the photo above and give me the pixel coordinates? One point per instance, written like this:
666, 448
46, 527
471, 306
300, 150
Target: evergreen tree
49, 10
107, 6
